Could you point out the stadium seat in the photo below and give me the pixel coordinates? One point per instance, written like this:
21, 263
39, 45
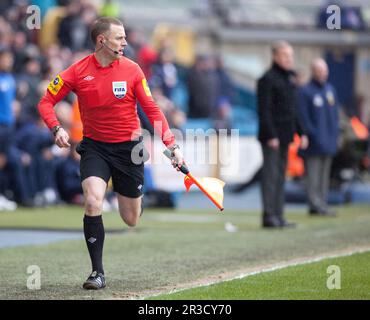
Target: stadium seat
245, 120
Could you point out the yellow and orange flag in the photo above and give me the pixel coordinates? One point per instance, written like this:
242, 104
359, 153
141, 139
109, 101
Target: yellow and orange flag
211, 187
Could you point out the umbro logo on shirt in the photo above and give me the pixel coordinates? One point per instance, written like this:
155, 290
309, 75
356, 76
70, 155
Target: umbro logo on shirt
89, 78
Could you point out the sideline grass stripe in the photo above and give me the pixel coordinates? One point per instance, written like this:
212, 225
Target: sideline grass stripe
297, 280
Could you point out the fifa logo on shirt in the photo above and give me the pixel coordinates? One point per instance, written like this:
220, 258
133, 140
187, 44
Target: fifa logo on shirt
119, 89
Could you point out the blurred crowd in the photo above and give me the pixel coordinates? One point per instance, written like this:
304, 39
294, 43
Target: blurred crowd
33, 171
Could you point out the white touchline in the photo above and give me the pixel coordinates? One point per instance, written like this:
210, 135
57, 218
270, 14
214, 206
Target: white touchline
277, 266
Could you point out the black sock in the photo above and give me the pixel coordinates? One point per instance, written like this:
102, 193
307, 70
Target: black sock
94, 236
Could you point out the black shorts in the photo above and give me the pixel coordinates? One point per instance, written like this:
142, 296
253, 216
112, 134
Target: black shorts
106, 160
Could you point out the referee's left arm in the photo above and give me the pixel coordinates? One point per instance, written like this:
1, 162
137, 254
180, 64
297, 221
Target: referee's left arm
157, 118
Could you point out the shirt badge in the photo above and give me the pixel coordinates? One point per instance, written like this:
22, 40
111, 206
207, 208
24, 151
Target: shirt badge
318, 101
119, 89
146, 87
55, 85
330, 98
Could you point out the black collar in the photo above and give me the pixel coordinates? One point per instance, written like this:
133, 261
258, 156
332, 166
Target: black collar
276, 67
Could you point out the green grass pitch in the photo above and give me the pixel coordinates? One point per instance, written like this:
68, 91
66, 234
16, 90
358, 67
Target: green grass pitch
172, 249
306, 281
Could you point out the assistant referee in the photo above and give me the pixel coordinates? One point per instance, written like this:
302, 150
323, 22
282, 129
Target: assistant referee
107, 86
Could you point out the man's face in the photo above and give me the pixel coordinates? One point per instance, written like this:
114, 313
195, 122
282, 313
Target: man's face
284, 57
320, 71
6, 62
115, 38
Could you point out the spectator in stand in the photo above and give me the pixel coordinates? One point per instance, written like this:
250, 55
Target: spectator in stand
139, 51
74, 28
203, 85
14, 163
165, 72
226, 94
34, 138
5, 34
28, 80
19, 46
5, 5
16, 16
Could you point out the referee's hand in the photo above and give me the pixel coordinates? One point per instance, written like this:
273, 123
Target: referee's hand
61, 139
178, 159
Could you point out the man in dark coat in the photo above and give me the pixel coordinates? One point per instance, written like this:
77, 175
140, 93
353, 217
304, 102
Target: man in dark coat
278, 122
318, 110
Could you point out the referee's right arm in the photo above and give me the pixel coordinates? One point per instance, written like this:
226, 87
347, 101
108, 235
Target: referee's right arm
57, 89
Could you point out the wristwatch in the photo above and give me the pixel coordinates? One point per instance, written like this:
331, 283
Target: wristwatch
173, 148
55, 129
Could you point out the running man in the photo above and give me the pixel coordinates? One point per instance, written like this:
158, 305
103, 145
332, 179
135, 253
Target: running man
107, 86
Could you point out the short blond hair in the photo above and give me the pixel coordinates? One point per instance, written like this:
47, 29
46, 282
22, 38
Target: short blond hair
102, 25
